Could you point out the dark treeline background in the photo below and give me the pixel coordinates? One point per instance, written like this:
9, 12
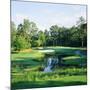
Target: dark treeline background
27, 35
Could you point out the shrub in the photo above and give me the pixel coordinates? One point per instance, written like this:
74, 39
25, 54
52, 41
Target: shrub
21, 43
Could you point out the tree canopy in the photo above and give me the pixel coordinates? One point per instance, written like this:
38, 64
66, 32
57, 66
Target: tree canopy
28, 35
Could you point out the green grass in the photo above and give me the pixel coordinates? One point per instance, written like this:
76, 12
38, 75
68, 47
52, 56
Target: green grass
75, 60
30, 75
64, 50
27, 69
30, 59
60, 77
33, 55
62, 47
62, 81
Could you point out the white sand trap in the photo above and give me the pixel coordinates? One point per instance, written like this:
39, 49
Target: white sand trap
46, 50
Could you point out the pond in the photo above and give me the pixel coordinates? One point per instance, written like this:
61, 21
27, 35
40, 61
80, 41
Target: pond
52, 59
55, 59
51, 62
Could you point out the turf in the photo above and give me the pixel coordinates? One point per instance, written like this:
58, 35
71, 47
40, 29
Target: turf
27, 67
63, 81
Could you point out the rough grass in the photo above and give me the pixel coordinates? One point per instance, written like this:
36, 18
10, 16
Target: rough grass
58, 75
26, 73
63, 81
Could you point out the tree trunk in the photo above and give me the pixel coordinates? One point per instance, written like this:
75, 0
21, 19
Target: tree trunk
82, 42
56, 42
53, 42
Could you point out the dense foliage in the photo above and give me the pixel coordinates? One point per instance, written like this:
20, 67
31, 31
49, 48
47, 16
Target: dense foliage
28, 35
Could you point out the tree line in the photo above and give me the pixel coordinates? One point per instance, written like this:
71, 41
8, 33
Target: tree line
27, 35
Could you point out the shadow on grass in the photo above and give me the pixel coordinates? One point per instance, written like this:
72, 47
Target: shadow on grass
25, 60
43, 84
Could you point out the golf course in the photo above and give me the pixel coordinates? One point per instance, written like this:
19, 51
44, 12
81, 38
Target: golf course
48, 45
28, 68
